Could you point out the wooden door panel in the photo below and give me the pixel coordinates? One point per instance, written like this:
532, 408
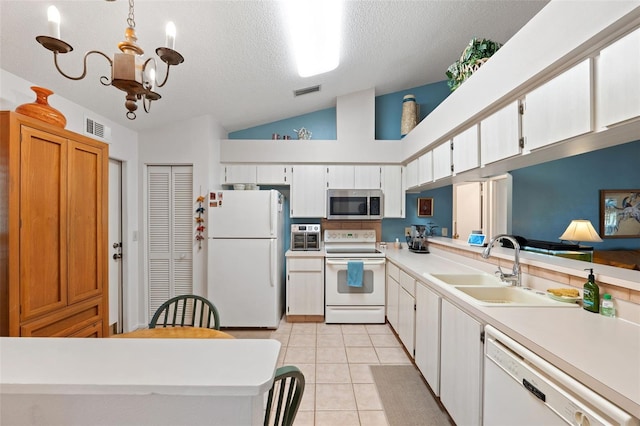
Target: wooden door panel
86, 222
43, 247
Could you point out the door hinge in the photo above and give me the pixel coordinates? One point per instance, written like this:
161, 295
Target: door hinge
451, 145
414, 307
482, 336
521, 142
521, 109
452, 168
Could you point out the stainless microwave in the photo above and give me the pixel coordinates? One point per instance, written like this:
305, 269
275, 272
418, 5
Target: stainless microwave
360, 204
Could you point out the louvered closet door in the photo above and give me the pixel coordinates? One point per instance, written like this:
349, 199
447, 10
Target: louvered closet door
170, 220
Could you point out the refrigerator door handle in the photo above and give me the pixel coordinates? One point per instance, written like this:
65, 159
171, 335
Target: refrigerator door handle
272, 213
273, 270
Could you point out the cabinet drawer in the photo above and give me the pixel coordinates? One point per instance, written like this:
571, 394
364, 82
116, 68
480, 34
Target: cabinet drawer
313, 264
94, 330
393, 271
408, 283
66, 322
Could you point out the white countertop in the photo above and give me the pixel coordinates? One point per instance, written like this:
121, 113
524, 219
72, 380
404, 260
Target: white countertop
602, 353
211, 367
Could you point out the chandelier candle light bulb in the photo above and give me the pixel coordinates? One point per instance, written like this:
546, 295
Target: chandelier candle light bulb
170, 31
53, 16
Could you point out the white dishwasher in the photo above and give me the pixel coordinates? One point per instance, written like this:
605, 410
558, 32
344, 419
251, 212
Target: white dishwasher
520, 388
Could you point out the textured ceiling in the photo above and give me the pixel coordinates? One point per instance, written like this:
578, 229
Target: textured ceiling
238, 67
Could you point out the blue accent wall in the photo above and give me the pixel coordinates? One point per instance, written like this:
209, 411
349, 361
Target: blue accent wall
321, 124
546, 197
442, 214
389, 107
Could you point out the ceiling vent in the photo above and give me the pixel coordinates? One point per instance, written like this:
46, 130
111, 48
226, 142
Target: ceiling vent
97, 129
306, 90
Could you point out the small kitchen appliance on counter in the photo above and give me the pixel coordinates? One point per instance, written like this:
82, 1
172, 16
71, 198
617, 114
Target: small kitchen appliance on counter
305, 237
417, 239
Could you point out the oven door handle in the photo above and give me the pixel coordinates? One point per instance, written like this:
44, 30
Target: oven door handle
365, 262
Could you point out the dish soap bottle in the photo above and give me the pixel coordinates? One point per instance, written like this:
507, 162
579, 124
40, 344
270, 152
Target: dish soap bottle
591, 294
606, 307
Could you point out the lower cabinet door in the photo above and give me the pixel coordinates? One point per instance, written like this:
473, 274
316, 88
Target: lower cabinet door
406, 319
427, 344
461, 365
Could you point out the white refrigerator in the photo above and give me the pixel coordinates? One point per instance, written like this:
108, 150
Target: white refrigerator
245, 257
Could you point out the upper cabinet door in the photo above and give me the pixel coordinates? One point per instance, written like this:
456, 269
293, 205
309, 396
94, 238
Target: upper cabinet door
238, 173
466, 151
500, 134
340, 177
393, 189
367, 177
559, 109
425, 168
618, 80
308, 191
412, 174
272, 174
442, 161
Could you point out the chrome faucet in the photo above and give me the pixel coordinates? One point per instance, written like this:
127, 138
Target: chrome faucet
515, 277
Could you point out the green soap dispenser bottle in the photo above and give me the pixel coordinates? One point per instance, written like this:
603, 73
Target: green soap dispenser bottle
591, 294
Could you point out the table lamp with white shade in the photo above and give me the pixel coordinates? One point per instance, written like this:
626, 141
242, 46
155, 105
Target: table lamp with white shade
581, 230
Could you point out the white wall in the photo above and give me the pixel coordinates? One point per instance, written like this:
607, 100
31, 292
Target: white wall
123, 146
193, 142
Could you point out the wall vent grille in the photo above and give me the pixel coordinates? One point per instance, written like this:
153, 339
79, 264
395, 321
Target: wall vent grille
97, 129
306, 90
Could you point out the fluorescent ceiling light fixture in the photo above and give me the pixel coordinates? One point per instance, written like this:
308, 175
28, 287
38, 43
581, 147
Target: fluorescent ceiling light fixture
316, 27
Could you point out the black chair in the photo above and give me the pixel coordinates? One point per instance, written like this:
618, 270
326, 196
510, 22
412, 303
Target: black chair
284, 396
187, 310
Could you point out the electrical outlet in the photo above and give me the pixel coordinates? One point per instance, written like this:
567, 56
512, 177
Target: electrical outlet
407, 231
445, 232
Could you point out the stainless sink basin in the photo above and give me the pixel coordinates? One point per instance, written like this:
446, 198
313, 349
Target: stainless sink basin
511, 297
468, 279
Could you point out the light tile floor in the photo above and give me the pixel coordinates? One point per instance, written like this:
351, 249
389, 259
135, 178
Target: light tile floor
335, 360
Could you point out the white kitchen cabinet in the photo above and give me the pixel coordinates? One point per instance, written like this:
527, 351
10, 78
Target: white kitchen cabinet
353, 177
308, 191
406, 319
412, 174
500, 134
466, 150
442, 161
272, 174
425, 168
559, 109
406, 311
367, 177
305, 286
238, 173
461, 351
427, 342
340, 177
393, 187
393, 286
617, 80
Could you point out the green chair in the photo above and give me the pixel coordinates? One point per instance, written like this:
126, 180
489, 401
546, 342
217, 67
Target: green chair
284, 396
187, 310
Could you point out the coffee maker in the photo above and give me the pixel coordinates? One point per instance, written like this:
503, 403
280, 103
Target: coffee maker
417, 239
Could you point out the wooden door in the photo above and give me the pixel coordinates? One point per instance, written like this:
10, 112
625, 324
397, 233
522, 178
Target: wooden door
88, 219
43, 218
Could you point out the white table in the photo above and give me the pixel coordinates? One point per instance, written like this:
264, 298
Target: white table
134, 381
